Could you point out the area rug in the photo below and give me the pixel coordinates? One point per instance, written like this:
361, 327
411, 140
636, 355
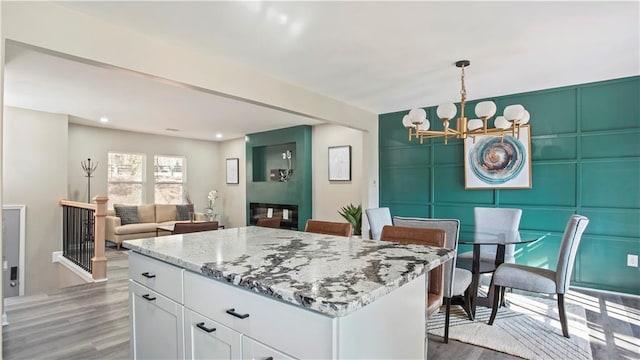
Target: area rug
528, 327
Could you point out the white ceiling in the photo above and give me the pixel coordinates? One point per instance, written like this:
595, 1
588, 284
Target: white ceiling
379, 56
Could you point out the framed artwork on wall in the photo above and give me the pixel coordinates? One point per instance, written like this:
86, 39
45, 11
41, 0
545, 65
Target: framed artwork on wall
494, 163
340, 163
232, 171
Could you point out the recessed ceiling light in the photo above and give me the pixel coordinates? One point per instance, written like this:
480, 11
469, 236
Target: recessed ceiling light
218, 135
104, 119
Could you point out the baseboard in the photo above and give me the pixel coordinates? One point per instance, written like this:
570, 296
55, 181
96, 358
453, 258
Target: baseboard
604, 291
56, 256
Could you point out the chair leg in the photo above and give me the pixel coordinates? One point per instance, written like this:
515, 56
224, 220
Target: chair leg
503, 301
496, 303
446, 320
563, 316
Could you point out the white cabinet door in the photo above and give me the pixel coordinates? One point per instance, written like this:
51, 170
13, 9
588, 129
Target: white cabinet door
264, 319
254, 350
156, 325
208, 339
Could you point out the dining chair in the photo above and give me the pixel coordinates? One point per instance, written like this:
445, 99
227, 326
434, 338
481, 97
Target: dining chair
378, 218
191, 227
328, 227
422, 236
535, 279
273, 222
456, 280
492, 219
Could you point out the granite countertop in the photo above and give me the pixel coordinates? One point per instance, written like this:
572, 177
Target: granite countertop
329, 274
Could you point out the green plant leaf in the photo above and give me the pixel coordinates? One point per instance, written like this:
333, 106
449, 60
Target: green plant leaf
353, 214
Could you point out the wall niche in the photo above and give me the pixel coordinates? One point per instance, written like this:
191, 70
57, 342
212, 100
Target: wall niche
279, 170
274, 162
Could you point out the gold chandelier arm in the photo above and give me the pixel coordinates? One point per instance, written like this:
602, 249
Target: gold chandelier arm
516, 114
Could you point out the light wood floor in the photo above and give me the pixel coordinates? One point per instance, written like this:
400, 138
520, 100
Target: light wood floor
92, 322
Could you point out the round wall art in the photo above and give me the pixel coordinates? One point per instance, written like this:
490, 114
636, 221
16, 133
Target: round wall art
494, 162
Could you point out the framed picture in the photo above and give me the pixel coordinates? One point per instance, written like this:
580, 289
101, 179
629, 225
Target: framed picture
494, 163
232, 171
340, 163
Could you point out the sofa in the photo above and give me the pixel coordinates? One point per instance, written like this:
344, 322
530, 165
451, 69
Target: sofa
127, 222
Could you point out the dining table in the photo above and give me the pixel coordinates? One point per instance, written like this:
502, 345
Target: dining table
485, 237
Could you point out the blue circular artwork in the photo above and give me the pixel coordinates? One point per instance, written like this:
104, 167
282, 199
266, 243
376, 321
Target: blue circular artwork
496, 162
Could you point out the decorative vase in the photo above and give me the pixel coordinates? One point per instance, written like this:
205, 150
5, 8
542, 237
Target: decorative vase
210, 216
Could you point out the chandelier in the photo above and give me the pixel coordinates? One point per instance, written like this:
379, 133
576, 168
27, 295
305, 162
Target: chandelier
513, 118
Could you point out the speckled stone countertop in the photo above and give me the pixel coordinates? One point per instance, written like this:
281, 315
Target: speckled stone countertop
329, 274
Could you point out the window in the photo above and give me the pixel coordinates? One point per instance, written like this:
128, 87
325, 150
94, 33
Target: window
169, 174
125, 178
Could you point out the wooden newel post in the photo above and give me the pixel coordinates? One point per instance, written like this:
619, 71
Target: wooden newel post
99, 260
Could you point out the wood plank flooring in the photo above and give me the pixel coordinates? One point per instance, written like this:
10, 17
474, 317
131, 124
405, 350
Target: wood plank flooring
92, 322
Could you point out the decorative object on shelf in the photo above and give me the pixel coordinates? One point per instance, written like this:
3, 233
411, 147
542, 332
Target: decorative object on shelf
498, 163
353, 214
232, 171
88, 168
286, 174
187, 197
212, 197
510, 123
340, 163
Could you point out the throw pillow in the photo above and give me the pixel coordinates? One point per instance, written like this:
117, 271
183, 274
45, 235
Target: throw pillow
184, 210
127, 214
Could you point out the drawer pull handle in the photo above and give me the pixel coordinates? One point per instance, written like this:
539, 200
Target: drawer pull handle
234, 313
147, 275
269, 358
201, 326
148, 297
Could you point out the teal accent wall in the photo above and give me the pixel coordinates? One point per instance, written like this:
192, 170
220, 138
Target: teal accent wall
585, 159
264, 152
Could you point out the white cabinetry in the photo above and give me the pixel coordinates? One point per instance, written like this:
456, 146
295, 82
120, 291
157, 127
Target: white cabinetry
208, 339
254, 350
174, 313
156, 319
293, 330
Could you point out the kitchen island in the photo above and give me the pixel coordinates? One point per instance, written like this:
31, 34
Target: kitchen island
261, 293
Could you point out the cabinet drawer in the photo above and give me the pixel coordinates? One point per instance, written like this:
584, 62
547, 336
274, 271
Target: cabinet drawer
301, 333
254, 350
208, 339
156, 275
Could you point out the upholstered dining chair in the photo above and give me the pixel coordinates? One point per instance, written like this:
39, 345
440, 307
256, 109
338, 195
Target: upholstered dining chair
328, 228
540, 280
191, 227
273, 222
422, 236
456, 280
492, 219
378, 218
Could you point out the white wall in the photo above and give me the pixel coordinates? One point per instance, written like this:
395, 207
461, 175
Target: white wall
233, 197
330, 196
35, 174
1, 142
94, 142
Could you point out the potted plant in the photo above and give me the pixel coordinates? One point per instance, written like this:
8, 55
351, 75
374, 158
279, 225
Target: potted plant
353, 214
